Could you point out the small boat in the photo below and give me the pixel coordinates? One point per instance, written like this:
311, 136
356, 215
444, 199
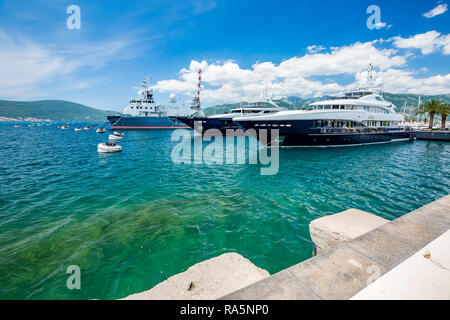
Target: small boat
118, 133
78, 129
100, 130
114, 137
87, 128
108, 147
65, 127
17, 126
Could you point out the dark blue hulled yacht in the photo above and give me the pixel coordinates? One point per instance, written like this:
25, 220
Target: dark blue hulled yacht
359, 117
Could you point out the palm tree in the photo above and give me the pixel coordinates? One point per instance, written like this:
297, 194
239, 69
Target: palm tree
431, 107
444, 111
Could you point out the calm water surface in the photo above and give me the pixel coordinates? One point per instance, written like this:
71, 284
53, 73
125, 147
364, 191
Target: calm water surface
133, 219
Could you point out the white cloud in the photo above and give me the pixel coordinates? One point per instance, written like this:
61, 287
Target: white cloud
446, 44
440, 9
26, 65
381, 25
403, 81
315, 48
227, 81
315, 73
427, 43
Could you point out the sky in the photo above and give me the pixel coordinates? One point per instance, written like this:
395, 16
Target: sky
291, 48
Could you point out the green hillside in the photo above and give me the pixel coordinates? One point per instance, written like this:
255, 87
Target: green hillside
298, 103
55, 110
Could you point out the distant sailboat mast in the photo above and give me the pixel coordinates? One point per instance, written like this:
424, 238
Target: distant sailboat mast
418, 106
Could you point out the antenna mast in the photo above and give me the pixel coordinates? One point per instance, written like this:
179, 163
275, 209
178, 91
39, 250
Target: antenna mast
370, 75
196, 104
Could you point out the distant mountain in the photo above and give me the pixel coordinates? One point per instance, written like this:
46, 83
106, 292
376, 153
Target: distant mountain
55, 110
298, 103
412, 99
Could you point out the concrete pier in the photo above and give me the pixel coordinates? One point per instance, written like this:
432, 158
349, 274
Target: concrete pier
328, 231
350, 266
206, 280
433, 135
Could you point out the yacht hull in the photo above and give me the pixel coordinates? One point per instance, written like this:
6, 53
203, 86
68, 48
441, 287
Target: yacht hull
212, 126
147, 123
113, 119
301, 134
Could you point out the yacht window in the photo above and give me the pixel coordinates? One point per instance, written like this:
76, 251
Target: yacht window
327, 107
318, 123
342, 107
335, 107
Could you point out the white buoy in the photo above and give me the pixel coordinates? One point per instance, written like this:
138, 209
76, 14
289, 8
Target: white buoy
108, 147
114, 137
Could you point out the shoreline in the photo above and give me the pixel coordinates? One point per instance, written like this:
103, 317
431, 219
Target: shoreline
28, 119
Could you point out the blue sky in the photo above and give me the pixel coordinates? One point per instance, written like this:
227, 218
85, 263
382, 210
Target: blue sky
303, 48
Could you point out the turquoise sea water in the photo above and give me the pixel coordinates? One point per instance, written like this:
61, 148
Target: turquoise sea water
133, 219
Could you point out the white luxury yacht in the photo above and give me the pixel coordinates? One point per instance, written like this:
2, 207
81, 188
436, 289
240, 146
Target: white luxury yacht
360, 116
